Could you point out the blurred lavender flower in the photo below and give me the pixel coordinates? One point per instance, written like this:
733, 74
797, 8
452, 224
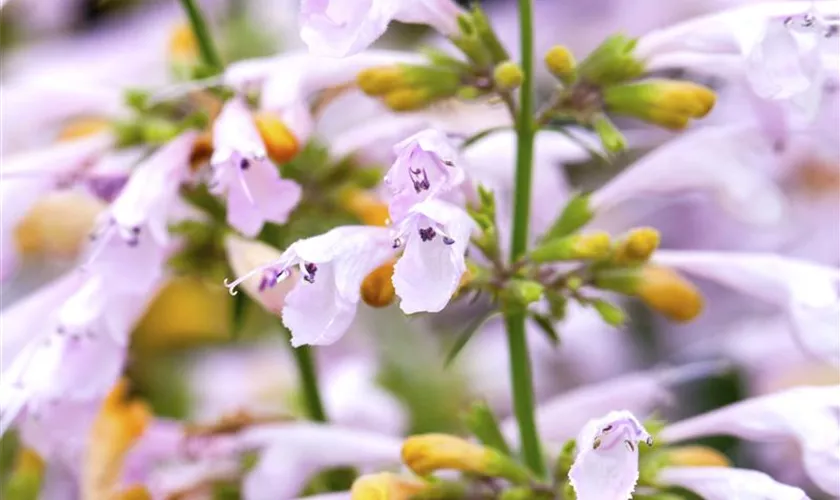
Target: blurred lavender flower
721, 483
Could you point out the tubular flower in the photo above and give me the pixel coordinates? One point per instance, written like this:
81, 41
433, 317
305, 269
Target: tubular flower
339, 28
242, 172
606, 466
331, 268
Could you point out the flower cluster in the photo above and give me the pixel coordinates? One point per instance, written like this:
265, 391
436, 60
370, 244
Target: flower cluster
410, 226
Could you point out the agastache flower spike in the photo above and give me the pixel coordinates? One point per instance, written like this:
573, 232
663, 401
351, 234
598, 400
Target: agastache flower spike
425, 168
132, 238
332, 266
435, 235
242, 172
606, 466
338, 28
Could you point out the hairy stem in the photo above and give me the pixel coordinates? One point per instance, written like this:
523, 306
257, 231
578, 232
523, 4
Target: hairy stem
520, 361
209, 54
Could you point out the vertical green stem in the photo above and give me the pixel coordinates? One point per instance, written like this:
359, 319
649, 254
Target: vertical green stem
309, 384
209, 54
520, 361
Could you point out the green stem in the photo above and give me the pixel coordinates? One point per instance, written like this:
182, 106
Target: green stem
309, 384
209, 54
520, 361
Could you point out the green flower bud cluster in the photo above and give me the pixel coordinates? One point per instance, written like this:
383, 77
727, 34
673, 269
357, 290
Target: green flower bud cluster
607, 82
156, 123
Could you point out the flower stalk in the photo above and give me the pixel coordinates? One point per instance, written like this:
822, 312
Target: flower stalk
209, 54
520, 363
309, 384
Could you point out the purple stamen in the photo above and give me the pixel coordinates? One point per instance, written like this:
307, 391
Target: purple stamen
244, 164
420, 179
427, 234
447, 240
310, 270
397, 243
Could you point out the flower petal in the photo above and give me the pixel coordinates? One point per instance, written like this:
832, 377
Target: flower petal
725, 483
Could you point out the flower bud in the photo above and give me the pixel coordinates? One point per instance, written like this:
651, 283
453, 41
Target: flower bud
507, 75
611, 62
637, 246
667, 103
280, 144
367, 208
468, 93
520, 293
427, 453
407, 99
202, 150
576, 214
83, 127
384, 486
610, 136
696, 456
381, 80
59, 224
561, 63
667, 292
595, 245
24, 480
377, 289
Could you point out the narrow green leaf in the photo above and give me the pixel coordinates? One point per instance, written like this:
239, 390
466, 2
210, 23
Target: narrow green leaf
482, 422
545, 324
465, 336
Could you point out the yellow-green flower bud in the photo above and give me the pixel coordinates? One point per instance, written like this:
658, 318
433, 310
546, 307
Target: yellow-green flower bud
524, 292
594, 246
561, 63
381, 80
637, 246
575, 215
667, 103
661, 288
427, 453
407, 99
468, 93
385, 486
611, 62
696, 456
610, 136
507, 75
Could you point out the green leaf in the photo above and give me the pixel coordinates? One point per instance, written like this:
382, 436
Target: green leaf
547, 327
482, 422
465, 336
574, 216
610, 313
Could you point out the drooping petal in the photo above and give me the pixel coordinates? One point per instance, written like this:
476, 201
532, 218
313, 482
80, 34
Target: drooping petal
339, 28
245, 255
725, 483
316, 313
607, 463
809, 293
809, 415
725, 161
430, 269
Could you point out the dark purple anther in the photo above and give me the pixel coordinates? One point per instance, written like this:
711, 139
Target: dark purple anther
244, 164
427, 234
420, 179
447, 240
310, 269
397, 243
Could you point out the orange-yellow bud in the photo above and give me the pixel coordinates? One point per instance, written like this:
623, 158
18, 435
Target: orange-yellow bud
637, 246
59, 224
202, 150
697, 456
668, 103
385, 486
426, 453
119, 424
377, 288
183, 46
381, 80
82, 127
667, 292
280, 143
369, 209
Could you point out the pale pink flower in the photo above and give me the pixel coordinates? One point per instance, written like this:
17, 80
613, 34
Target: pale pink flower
27, 177
338, 28
808, 293
725, 483
426, 167
242, 172
808, 415
244, 255
435, 236
606, 465
724, 161
331, 267
133, 237
292, 452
